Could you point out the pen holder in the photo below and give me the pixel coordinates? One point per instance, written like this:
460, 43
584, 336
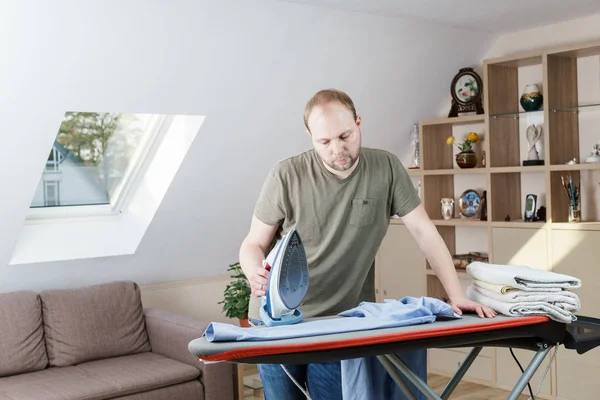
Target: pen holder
574, 213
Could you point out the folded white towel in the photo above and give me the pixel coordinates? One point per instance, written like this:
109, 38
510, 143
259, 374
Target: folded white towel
522, 309
565, 299
522, 277
501, 289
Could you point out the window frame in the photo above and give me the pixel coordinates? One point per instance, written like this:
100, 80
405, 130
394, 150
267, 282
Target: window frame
69, 239
152, 135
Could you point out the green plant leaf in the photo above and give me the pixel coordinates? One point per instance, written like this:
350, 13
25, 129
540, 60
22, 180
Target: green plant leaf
236, 296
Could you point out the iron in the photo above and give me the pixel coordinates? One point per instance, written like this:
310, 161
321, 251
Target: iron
287, 283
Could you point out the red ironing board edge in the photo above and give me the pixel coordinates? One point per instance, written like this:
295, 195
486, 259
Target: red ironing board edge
375, 339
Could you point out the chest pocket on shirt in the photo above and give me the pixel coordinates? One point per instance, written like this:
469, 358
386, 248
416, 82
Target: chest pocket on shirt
363, 212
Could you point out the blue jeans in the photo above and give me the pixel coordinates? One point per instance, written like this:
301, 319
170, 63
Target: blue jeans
324, 380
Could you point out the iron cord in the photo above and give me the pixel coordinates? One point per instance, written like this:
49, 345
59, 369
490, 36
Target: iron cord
296, 383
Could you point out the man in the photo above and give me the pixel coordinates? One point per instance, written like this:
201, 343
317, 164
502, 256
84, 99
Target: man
340, 196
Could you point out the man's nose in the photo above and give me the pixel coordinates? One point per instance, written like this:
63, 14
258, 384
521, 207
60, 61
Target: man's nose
338, 146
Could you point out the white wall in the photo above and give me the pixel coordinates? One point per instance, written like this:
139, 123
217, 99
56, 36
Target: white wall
564, 33
249, 66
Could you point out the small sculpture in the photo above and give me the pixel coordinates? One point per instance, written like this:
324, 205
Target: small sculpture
447, 207
533, 134
594, 156
415, 155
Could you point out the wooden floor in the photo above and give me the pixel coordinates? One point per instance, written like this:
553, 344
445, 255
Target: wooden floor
464, 391
468, 390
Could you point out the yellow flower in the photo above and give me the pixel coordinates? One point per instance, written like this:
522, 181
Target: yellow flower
473, 137
450, 140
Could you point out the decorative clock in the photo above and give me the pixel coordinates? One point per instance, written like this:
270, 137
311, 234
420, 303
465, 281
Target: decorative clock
466, 90
469, 204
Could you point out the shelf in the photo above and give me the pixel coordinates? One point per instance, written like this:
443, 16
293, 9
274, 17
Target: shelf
575, 167
536, 168
455, 171
578, 108
506, 170
518, 224
568, 80
468, 119
562, 226
579, 226
459, 222
591, 48
517, 114
526, 59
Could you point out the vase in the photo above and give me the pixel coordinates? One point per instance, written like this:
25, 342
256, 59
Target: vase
447, 207
466, 159
531, 99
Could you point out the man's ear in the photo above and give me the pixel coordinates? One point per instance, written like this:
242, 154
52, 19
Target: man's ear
309, 134
358, 120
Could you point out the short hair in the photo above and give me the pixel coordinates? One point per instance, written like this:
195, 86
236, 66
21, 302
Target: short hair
326, 96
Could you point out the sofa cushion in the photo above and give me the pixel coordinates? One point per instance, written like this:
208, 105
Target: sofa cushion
101, 379
140, 372
192, 390
22, 346
54, 383
93, 322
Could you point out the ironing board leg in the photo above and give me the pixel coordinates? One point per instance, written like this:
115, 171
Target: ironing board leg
529, 371
396, 377
415, 380
460, 372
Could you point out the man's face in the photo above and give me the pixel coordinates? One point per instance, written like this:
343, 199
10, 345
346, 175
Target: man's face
336, 136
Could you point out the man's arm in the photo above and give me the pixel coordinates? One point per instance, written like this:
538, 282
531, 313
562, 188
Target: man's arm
252, 253
433, 246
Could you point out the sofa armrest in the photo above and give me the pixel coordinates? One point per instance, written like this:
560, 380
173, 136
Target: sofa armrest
170, 333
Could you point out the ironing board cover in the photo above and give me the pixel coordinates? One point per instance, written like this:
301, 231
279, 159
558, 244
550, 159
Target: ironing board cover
469, 330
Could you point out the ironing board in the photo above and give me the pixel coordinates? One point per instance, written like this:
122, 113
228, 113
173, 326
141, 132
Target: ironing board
535, 333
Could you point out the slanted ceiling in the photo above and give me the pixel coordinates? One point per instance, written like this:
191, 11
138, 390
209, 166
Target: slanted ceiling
485, 16
248, 66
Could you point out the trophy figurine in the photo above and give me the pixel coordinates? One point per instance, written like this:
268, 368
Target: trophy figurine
415, 155
533, 135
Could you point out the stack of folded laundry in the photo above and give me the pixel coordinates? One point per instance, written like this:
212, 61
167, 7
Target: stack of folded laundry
516, 290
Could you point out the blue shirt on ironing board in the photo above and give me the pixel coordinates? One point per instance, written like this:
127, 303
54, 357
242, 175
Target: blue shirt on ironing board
367, 315
362, 378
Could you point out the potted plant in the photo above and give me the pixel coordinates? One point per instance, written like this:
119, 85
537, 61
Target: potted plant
466, 158
236, 296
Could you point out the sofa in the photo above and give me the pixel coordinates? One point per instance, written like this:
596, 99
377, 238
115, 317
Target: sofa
99, 342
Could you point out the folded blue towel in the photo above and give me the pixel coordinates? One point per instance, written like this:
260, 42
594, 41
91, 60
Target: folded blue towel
366, 316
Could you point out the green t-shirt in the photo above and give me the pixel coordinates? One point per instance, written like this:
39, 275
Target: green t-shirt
341, 222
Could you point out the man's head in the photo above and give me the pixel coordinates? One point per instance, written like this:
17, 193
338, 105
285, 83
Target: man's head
334, 127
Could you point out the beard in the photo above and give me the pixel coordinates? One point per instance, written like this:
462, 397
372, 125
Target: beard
349, 161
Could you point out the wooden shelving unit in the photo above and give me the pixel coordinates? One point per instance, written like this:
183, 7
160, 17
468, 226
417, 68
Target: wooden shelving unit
571, 102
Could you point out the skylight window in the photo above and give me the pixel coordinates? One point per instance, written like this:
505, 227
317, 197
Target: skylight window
93, 160
98, 193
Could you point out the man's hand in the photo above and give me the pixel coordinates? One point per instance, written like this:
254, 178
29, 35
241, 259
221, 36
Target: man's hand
258, 281
253, 252
463, 304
